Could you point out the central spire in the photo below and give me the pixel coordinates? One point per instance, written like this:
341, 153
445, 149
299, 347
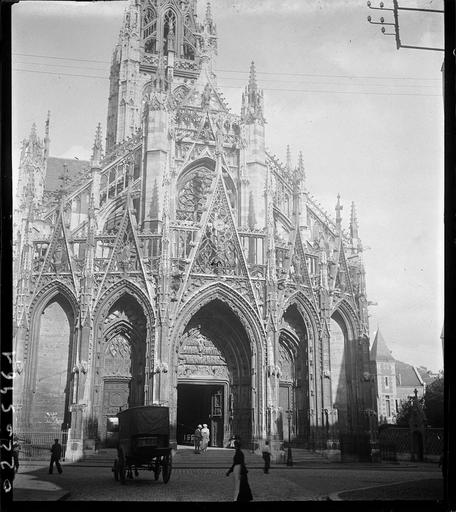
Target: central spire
252, 78
252, 100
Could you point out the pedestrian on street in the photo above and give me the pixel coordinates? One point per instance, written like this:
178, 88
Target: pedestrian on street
266, 457
56, 453
15, 453
197, 436
242, 491
442, 464
205, 437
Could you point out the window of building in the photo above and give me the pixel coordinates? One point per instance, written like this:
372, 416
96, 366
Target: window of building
169, 23
150, 30
386, 382
388, 405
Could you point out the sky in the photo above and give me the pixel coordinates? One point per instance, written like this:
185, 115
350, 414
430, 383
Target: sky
367, 117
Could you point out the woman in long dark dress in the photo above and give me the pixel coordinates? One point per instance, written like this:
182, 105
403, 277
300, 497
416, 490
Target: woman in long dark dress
242, 491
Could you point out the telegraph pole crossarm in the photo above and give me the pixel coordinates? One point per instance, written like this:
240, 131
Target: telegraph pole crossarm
396, 8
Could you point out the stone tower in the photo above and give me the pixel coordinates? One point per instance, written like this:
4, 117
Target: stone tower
384, 370
189, 265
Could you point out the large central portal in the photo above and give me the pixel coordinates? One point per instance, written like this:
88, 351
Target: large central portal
199, 404
214, 376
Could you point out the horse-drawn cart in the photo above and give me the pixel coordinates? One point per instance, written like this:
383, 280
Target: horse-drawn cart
143, 443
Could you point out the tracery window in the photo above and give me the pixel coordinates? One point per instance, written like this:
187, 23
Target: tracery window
193, 191
193, 194
150, 30
169, 23
189, 41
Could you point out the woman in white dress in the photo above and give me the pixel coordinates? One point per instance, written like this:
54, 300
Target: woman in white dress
205, 439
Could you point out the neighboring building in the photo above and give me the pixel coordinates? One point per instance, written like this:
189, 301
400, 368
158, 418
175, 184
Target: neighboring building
186, 267
395, 381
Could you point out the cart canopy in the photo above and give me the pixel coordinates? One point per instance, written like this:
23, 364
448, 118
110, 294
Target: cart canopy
148, 419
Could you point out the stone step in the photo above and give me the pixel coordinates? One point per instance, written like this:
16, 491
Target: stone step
213, 457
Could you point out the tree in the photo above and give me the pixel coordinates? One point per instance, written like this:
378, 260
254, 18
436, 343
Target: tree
405, 411
434, 403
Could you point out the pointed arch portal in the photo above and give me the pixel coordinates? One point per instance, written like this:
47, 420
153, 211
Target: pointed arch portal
120, 372
48, 391
214, 376
294, 398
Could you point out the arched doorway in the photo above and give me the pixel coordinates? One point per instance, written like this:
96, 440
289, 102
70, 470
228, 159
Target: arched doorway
214, 376
294, 393
120, 367
48, 391
341, 372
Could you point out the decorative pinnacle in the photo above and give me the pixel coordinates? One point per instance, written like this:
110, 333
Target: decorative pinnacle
252, 77
353, 222
339, 207
46, 126
288, 158
97, 146
33, 132
301, 165
208, 12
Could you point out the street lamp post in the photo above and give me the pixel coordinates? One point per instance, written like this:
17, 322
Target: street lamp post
289, 455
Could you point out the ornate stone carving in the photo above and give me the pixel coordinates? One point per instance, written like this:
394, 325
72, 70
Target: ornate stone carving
117, 357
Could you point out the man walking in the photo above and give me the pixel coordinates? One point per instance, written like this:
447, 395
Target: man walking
56, 453
266, 457
197, 436
16, 449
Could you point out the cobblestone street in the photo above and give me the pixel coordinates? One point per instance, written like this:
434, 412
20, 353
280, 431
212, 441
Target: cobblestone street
201, 478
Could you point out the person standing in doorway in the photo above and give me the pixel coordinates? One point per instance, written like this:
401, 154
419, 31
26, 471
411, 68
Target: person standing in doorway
56, 453
205, 437
242, 491
197, 436
266, 453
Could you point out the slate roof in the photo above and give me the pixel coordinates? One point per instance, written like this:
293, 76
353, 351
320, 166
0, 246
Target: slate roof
406, 376
55, 169
426, 375
379, 350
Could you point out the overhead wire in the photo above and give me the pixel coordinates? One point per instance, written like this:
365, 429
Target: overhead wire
246, 72
226, 86
243, 79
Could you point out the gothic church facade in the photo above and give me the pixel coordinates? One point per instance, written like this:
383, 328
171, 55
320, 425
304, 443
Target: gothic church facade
185, 265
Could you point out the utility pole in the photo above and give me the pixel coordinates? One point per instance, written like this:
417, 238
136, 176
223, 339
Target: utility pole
395, 10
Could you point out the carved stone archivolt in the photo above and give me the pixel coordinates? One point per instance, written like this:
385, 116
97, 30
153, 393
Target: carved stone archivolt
51, 291
349, 316
240, 307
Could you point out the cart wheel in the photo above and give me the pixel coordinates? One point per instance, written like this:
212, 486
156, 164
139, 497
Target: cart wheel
157, 470
167, 467
115, 470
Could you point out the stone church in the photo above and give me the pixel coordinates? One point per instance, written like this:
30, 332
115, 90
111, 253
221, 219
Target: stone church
185, 265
